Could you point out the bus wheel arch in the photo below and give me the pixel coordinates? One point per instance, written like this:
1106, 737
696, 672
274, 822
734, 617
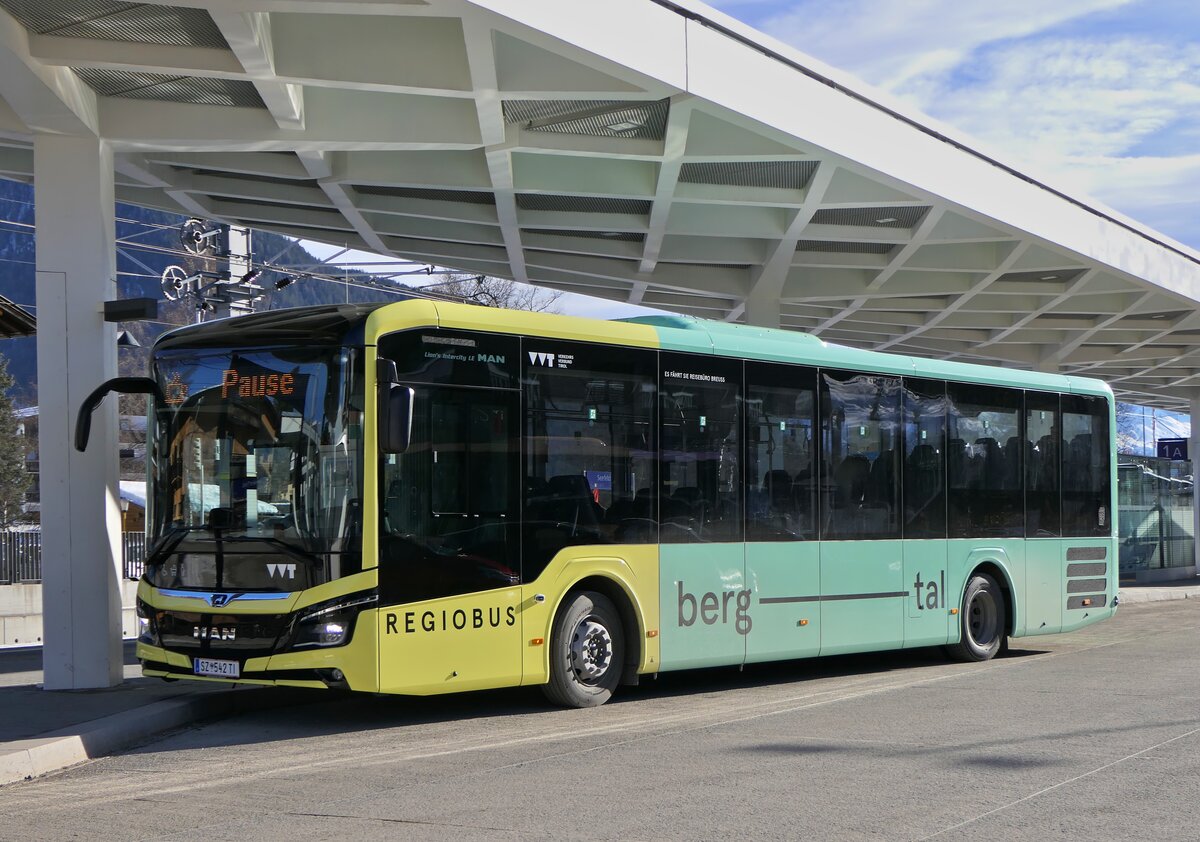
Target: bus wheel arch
630, 624
986, 618
1000, 575
593, 642
586, 650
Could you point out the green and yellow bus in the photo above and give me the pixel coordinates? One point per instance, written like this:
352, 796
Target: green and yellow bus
425, 497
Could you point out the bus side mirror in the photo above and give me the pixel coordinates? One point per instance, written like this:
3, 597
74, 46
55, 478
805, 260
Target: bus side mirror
395, 423
121, 385
395, 408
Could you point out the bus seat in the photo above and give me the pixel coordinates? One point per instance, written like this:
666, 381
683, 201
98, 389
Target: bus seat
778, 486
881, 482
1012, 461
956, 462
850, 481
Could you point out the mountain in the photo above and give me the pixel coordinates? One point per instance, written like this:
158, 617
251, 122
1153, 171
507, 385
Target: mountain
153, 244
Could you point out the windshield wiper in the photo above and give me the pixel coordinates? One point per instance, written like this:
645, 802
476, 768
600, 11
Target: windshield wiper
166, 543
290, 549
169, 540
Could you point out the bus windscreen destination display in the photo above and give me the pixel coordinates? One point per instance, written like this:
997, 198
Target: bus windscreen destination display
256, 385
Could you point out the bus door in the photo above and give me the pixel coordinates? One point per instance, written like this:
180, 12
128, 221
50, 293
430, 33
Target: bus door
706, 605
863, 592
450, 616
927, 620
782, 553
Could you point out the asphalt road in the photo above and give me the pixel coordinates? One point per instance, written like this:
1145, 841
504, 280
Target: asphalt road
1092, 735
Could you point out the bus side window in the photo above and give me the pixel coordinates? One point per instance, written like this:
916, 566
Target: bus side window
985, 478
924, 458
701, 473
1043, 517
589, 430
450, 504
781, 469
860, 445
1086, 484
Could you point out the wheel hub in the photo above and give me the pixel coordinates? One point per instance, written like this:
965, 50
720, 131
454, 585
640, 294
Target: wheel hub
982, 619
591, 650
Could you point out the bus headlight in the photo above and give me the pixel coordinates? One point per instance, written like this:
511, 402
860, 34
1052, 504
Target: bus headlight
330, 623
147, 623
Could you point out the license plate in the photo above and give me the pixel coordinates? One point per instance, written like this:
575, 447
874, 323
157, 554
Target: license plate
219, 669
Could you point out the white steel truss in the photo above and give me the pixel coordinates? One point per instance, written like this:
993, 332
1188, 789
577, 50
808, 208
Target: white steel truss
644, 151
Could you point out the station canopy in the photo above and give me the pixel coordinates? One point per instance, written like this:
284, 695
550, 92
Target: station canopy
651, 152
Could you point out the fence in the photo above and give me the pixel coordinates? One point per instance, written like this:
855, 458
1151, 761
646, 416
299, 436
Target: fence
21, 556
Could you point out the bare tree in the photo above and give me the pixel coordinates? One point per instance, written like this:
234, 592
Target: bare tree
14, 478
499, 292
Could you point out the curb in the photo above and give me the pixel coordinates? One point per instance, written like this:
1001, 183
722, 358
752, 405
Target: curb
29, 758
1141, 596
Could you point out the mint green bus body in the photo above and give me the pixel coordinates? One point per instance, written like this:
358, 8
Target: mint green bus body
830, 597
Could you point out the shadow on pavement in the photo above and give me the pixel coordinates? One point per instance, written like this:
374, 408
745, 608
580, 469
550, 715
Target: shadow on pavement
293, 713
29, 658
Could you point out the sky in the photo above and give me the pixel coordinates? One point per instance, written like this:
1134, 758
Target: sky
1100, 97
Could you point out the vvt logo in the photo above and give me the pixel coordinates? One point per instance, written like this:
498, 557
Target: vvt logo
536, 358
284, 571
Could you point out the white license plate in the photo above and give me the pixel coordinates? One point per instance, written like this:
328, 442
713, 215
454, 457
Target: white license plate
219, 669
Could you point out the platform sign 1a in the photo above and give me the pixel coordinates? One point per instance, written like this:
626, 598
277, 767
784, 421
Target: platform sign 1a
1173, 449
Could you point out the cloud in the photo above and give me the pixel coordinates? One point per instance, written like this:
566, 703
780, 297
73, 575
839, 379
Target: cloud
1100, 97
888, 44
1157, 191
1066, 98
1118, 119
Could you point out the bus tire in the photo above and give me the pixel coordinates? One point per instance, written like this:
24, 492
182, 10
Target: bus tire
587, 651
982, 621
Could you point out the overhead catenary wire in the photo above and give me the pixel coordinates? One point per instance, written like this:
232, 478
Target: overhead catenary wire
300, 272
299, 269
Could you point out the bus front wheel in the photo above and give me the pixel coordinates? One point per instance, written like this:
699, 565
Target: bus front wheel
983, 624
587, 650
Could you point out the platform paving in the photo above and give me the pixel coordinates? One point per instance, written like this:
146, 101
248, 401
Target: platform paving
44, 731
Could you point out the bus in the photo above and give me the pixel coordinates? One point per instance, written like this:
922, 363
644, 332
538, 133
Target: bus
426, 497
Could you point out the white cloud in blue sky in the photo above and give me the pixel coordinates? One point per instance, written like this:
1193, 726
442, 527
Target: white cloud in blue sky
1100, 96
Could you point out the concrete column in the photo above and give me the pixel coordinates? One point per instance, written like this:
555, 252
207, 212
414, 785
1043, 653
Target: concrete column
1194, 455
81, 516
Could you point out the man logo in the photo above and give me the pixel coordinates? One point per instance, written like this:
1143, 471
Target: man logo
220, 600
215, 633
285, 571
536, 358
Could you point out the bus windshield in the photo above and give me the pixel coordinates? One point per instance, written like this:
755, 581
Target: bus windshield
256, 451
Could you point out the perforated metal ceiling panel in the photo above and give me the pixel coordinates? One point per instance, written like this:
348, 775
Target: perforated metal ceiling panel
190, 89
789, 175
618, 236
898, 217
581, 204
471, 197
136, 23
591, 117
844, 247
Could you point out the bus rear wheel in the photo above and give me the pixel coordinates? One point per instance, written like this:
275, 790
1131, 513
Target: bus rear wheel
983, 623
587, 651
